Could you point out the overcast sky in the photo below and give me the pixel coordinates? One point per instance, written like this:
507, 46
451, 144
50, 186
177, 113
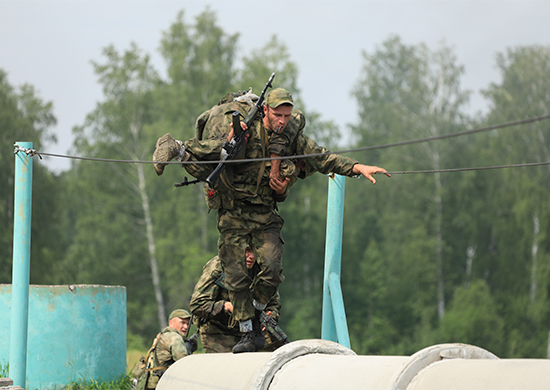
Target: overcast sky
49, 44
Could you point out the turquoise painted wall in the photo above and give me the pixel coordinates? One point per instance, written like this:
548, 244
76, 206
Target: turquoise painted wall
75, 332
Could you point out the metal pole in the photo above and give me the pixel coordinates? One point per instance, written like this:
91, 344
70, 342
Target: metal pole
334, 326
338, 311
21, 265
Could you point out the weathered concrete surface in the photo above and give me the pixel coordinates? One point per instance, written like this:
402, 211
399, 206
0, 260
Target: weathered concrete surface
74, 332
321, 364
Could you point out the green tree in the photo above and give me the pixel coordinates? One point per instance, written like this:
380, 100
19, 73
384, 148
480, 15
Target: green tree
473, 319
113, 230
24, 116
520, 266
200, 69
261, 63
407, 92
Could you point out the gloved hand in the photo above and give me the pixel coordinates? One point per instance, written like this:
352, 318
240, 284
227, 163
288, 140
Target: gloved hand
192, 344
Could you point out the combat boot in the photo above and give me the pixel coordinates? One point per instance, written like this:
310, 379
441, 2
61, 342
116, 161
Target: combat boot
168, 148
259, 338
246, 344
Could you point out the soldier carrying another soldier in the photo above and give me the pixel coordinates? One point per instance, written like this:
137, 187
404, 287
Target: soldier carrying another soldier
247, 198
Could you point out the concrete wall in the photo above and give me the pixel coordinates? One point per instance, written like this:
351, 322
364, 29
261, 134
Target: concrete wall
75, 332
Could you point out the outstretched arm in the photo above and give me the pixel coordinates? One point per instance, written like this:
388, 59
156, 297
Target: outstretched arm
368, 171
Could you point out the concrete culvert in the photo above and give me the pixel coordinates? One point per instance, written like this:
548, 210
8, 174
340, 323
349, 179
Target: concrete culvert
321, 364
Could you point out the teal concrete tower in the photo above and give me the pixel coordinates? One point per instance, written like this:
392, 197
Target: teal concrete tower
74, 332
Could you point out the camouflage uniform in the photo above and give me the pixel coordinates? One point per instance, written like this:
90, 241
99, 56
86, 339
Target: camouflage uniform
170, 347
219, 331
247, 209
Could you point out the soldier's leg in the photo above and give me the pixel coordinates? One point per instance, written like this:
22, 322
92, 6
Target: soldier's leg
268, 246
167, 149
218, 343
234, 227
232, 256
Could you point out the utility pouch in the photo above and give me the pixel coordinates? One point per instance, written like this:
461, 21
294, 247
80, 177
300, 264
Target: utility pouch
213, 198
142, 382
216, 199
139, 368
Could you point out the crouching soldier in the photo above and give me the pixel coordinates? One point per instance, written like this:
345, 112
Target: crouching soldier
212, 311
169, 346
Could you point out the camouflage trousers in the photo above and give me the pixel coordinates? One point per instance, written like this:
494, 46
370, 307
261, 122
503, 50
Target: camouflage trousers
260, 227
219, 342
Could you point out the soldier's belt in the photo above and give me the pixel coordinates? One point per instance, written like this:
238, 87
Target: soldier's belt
264, 191
243, 168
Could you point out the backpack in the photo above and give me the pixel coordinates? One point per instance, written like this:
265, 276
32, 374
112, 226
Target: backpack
146, 365
213, 122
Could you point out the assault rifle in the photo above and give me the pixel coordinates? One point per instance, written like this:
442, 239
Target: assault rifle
234, 149
272, 328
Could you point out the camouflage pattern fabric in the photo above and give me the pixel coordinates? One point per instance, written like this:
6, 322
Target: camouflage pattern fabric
214, 341
170, 348
247, 217
260, 227
219, 331
212, 125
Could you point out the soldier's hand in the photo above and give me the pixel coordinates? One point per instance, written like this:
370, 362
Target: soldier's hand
228, 307
278, 185
231, 134
368, 171
263, 326
191, 345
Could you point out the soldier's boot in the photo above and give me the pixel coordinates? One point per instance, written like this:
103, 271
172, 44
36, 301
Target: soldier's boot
246, 344
168, 148
259, 338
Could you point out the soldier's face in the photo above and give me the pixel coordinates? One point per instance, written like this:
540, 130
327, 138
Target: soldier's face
276, 119
250, 258
180, 324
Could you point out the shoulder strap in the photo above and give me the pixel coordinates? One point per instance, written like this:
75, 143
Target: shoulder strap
148, 356
264, 143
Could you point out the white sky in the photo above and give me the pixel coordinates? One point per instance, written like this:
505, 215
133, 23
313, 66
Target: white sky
49, 44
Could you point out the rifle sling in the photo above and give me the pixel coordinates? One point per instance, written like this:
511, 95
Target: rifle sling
264, 142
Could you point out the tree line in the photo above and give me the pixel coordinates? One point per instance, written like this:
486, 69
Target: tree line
427, 258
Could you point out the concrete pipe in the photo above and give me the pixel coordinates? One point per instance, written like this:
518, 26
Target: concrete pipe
321, 364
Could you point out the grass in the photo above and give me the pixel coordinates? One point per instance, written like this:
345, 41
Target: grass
122, 383
132, 358
4, 369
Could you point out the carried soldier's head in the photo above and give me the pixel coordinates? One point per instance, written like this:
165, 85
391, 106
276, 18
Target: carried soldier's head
250, 257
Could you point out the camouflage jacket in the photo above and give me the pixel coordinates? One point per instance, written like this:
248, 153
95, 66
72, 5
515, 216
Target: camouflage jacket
210, 295
170, 347
251, 180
